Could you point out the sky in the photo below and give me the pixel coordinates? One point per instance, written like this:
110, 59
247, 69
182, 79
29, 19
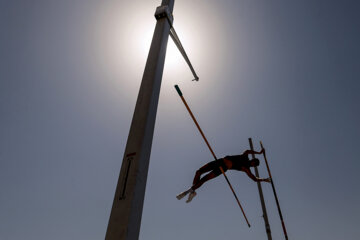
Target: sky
283, 72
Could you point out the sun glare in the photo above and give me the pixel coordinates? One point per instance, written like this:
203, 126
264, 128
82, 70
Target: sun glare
173, 57
124, 42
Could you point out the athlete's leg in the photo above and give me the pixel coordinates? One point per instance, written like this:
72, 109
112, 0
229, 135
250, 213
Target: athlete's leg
206, 168
207, 177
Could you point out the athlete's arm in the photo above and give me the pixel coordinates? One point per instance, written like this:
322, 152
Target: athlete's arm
253, 152
253, 177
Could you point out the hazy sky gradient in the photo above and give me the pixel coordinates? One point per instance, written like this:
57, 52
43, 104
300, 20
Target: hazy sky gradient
284, 72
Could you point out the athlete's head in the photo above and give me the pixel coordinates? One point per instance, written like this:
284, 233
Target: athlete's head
254, 162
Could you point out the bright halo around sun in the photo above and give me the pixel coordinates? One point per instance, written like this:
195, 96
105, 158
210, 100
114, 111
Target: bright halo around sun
173, 57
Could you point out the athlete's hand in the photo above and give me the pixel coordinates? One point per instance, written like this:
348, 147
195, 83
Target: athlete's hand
267, 180
262, 151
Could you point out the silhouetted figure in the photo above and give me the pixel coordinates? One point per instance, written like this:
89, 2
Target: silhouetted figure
235, 162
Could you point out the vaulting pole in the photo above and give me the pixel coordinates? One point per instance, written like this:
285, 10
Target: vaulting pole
126, 212
262, 201
276, 198
212, 152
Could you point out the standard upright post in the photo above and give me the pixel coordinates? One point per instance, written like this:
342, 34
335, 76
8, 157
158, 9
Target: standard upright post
275, 195
126, 212
266, 220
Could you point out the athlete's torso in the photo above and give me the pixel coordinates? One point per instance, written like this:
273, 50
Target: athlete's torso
239, 161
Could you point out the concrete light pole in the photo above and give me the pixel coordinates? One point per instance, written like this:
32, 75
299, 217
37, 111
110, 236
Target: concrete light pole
126, 212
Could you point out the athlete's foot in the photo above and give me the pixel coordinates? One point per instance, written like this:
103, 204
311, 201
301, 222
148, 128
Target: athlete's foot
183, 194
191, 196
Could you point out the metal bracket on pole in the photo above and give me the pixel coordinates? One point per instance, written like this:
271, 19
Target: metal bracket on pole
164, 12
177, 42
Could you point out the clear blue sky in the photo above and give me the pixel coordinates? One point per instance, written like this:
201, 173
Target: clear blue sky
284, 72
